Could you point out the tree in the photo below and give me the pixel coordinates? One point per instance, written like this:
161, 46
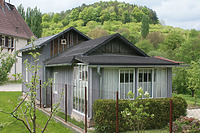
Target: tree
136, 113
173, 41
88, 14
97, 32
155, 38
56, 18
34, 21
137, 14
104, 15
23, 115
21, 10
126, 17
46, 17
194, 78
145, 26
145, 45
74, 15
189, 50
6, 62
193, 33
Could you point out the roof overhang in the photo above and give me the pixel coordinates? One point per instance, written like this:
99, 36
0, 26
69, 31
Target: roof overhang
136, 66
55, 65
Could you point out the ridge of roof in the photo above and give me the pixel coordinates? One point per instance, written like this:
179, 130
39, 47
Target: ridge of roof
41, 41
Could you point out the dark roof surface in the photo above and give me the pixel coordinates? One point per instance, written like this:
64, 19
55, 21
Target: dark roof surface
111, 59
41, 41
11, 23
123, 60
80, 53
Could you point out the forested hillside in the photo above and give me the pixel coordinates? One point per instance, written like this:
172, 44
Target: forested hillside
138, 24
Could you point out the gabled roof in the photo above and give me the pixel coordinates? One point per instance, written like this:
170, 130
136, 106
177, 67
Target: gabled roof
81, 53
12, 24
44, 40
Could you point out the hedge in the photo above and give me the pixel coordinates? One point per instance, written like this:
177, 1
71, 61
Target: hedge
104, 113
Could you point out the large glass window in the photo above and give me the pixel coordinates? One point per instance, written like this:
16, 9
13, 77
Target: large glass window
55, 82
127, 82
154, 81
161, 83
80, 82
110, 83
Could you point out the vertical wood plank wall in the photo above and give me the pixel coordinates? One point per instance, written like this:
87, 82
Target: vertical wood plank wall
71, 37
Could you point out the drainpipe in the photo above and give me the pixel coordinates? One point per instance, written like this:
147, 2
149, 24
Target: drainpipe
44, 90
100, 76
15, 42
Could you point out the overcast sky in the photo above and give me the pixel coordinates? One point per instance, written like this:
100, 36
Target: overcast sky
176, 13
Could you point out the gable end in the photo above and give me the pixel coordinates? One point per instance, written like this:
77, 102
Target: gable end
116, 44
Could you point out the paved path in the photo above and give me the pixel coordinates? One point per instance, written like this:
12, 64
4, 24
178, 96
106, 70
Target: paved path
11, 87
195, 113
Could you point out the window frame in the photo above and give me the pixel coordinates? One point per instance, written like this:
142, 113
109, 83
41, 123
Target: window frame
3, 39
153, 70
80, 82
129, 83
54, 82
26, 75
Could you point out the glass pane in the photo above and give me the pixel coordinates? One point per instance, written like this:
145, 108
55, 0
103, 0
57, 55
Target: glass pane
131, 77
121, 77
140, 77
126, 77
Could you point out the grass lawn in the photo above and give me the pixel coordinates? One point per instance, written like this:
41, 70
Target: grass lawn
9, 101
189, 99
73, 121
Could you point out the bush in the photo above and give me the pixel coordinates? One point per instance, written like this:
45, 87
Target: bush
6, 62
104, 111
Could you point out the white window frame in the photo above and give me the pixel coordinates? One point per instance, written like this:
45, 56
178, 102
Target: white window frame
54, 82
26, 74
3, 41
129, 73
9, 41
152, 80
80, 82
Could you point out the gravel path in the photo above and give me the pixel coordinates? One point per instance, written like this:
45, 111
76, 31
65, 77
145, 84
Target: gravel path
195, 113
11, 87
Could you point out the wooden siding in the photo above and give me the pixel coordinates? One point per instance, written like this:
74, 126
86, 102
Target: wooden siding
72, 38
115, 46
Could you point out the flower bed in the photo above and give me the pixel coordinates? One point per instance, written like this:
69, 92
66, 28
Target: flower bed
186, 124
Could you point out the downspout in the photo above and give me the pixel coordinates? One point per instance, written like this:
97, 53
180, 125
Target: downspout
44, 93
15, 42
100, 76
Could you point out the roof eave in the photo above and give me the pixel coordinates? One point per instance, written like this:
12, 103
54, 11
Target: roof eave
136, 66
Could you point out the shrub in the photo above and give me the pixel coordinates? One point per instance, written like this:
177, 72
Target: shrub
104, 111
6, 62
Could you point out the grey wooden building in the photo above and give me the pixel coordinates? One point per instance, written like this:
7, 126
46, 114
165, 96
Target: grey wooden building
103, 65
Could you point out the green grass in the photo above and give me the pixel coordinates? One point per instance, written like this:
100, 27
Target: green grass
9, 101
73, 121
11, 82
189, 99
